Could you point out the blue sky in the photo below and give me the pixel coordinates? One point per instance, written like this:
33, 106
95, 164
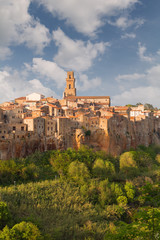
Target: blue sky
113, 46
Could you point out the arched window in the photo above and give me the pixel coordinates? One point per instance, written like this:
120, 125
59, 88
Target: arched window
69, 86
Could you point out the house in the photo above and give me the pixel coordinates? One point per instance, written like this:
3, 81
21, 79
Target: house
34, 97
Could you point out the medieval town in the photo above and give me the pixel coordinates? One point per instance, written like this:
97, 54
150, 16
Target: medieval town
33, 122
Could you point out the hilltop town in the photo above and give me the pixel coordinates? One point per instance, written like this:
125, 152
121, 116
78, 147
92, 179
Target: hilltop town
33, 122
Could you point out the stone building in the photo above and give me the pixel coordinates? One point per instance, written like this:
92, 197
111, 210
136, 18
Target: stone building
1, 115
50, 126
36, 125
34, 97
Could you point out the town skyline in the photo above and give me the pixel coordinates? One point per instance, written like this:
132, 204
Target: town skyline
113, 48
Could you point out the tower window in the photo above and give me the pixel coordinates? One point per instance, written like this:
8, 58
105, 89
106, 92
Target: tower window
69, 76
69, 86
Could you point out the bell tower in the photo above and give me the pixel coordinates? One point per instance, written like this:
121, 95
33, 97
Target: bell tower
70, 89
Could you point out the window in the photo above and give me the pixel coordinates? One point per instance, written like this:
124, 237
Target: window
22, 128
69, 86
14, 128
69, 76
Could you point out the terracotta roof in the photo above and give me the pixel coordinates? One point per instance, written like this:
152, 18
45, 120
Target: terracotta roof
20, 98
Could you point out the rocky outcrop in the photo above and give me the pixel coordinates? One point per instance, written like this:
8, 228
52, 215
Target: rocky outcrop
118, 135
24, 147
122, 134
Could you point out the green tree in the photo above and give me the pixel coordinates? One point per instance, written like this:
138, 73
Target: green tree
130, 190
5, 216
78, 172
21, 231
127, 160
99, 168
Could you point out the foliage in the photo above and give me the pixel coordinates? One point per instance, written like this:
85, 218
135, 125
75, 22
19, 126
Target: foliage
81, 195
21, 231
127, 160
78, 172
4, 215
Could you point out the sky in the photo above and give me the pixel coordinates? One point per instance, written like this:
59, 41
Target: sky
113, 47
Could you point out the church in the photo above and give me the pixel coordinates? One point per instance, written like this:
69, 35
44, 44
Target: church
70, 93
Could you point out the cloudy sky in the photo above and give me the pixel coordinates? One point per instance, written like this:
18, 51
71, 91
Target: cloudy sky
113, 46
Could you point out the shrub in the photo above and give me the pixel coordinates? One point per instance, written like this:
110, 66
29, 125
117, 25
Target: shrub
99, 168
78, 172
130, 190
4, 215
127, 160
122, 201
21, 231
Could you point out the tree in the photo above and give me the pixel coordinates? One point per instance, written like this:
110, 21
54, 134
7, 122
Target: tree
99, 168
127, 160
78, 172
148, 106
130, 190
4, 215
21, 231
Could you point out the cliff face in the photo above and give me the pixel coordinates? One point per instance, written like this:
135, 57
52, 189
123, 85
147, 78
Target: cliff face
119, 134
122, 134
22, 148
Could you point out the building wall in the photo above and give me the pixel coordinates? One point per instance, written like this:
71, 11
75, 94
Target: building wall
34, 97
1, 115
50, 126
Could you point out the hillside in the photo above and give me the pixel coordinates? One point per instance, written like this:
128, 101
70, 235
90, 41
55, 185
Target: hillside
81, 195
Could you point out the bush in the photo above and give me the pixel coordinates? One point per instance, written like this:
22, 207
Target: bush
130, 190
122, 201
21, 231
4, 215
78, 172
99, 168
127, 160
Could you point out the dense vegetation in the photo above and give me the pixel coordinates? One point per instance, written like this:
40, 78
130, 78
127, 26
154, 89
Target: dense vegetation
81, 195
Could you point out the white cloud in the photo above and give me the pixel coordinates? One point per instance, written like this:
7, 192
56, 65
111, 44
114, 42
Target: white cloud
86, 16
140, 94
128, 35
12, 85
129, 77
85, 84
158, 52
139, 87
35, 36
17, 26
5, 52
76, 54
50, 70
153, 75
141, 53
125, 22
